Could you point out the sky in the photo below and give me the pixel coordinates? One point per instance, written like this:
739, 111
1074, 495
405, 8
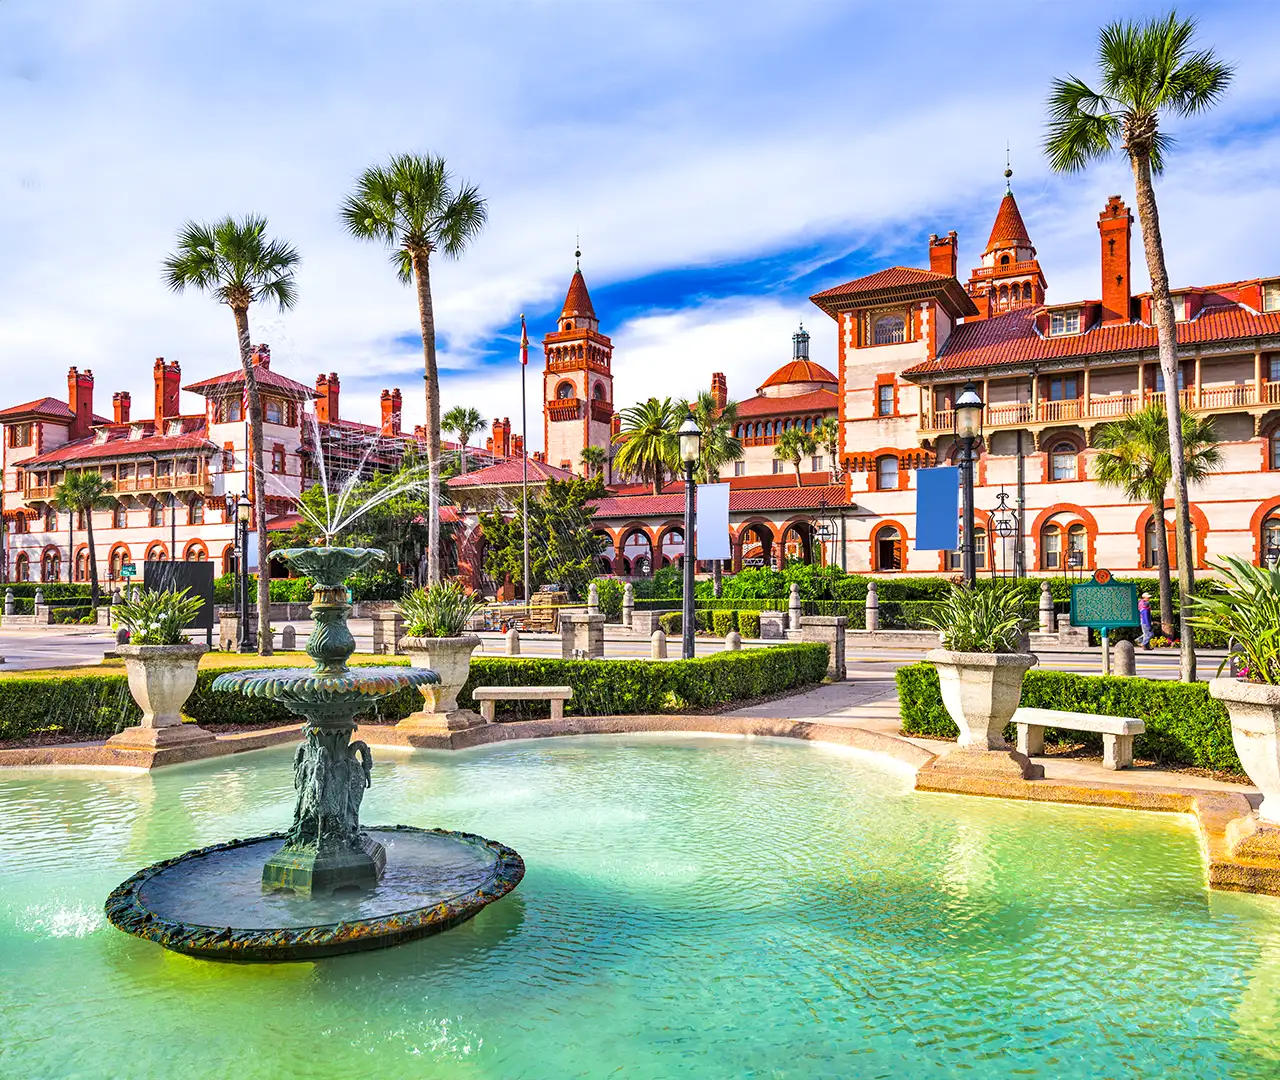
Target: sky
720, 163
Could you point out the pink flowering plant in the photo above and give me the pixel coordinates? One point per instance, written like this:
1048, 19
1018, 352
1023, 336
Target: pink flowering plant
1246, 611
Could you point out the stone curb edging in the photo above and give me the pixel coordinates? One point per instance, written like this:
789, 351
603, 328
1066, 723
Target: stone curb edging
97, 754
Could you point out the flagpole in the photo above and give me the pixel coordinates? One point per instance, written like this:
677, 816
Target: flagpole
524, 460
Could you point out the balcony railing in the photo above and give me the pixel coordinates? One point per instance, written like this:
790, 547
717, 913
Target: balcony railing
565, 409
601, 411
1106, 407
198, 481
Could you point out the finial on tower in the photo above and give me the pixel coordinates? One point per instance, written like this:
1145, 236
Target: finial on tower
577, 251
1008, 172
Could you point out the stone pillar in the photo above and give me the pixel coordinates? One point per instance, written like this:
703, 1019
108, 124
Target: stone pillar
658, 646
1125, 663
794, 609
388, 629
512, 638
1048, 620
582, 634
829, 629
289, 638
593, 599
873, 607
8, 601
39, 601
773, 625
628, 603
732, 641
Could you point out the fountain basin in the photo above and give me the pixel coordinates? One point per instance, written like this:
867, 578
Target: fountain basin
210, 902
302, 689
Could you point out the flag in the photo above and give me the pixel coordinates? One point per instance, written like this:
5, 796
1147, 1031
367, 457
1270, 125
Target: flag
524, 343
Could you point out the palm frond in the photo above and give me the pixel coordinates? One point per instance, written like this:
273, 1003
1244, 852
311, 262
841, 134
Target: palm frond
1082, 126
461, 222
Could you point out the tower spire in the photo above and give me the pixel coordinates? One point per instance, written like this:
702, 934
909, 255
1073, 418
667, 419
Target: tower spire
1008, 171
577, 251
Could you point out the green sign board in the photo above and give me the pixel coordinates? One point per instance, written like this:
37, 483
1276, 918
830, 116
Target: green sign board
129, 569
1104, 606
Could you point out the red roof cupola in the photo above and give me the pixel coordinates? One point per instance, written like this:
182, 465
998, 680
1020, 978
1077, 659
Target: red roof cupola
1009, 277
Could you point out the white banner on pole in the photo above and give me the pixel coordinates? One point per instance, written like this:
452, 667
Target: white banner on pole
253, 552
712, 528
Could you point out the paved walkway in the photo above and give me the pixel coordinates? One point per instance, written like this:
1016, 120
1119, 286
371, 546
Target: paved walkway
868, 699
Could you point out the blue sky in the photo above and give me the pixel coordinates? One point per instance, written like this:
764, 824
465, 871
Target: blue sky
721, 161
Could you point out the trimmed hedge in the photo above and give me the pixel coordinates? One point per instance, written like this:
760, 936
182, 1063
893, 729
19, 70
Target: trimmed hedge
96, 706
749, 624
1185, 726
723, 622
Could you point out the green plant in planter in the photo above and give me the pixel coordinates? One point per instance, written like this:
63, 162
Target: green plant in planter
440, 611
156, 617
1246, 610
987, 620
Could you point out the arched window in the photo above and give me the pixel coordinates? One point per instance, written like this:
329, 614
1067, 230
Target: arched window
1026, 291
157, 515
1269, 549
196, 553
50, 520
1077, 540
888, 548
82, 566
789, 425
1062, 461
768, 429
1004, 260
887, 473
118, 559
119, 518
1273, 449
564, 390
759, 430
22, 567
890, 330
808, 423
195, 511
1051, 547
50, 566
598, 393
1150, 556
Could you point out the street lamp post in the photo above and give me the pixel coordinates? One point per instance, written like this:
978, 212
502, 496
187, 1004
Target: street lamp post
173, 523
245, 644
968, 411
690, 450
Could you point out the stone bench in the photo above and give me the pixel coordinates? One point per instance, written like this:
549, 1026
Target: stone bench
1117, 732
487, 695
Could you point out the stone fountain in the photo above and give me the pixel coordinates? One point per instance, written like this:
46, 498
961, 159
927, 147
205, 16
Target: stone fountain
332, 886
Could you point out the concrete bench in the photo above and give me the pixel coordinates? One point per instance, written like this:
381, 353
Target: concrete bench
487, 695
1117, 732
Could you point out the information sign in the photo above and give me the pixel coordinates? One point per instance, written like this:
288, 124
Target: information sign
1103, 604
128, 569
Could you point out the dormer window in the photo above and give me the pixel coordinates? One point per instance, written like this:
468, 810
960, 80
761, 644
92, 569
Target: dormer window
100, 436
174, 428
272, 411
1179, 307
135, 432
1271, 296
890, 330
1064, 322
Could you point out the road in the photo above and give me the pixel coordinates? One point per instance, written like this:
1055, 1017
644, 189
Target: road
67, 646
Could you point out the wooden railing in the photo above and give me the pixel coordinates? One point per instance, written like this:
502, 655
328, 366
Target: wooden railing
198, 481
565, 409
601, 411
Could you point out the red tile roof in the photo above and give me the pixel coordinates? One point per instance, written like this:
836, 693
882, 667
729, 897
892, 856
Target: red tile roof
510, 471
148, 445
799, 371
45, 406
815, 400
234, 380
1008, 228
759, 499
1012, 339
897, 283
893, 278
577, 301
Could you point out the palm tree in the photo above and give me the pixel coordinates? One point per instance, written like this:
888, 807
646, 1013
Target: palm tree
1137, 460
594, 458
464, 422
83, 493
1148, 71
238, 265
826, 436
647, 445
410, 205
794, 445
719, 444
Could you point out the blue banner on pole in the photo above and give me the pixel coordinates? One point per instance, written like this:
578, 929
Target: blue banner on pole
938, 508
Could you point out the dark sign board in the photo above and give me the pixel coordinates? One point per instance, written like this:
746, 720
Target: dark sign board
197, 577
1103, 604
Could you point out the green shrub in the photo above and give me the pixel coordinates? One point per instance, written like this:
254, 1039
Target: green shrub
443, 610
979, 620
610, 591
723, 622
749, 624
671, 623
701, 621
1185, 726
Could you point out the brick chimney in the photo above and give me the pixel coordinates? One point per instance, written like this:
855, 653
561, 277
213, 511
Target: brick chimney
327, 386
1115, 228
120, 406
390, 413
517, 446
168, 380
80, 401
502, 438
942, 254
397, 410
719, 389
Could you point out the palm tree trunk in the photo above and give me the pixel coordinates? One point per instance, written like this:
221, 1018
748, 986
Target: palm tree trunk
431, 387
796, 463
1162, 566
258, 479
462, 438
1166, 335
93, 560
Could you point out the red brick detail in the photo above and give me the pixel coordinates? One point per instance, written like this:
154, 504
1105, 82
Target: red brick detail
942, 254
1199, 537
1090, 528
1115, 228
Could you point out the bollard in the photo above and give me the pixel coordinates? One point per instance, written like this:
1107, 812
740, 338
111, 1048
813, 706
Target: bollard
8, 601
794, 609
732, 641
512, 637
1047, 619
658, 646
873, 607
593, 599
628, 603
1124, 658
39, 597
289, 638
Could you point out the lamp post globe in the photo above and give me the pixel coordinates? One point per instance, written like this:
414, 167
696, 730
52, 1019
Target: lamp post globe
690, 438
968, 413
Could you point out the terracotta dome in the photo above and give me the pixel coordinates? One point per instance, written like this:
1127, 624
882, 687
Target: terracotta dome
803, 375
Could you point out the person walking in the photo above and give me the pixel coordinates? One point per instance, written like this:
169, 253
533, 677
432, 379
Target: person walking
1144, 618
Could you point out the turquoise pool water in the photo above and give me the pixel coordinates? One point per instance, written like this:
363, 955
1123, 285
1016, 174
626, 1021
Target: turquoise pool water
694, 907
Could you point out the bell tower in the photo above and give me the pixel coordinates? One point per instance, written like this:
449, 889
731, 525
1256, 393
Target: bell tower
577, 380
1010, 276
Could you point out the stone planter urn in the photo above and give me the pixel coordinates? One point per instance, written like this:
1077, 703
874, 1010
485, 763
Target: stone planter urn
161, 678
450, 658
981, 692
1254, 709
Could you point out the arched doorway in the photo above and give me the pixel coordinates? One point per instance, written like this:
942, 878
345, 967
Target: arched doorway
671, 548
608, 554
756, 541
797, 543
22, 567
887, 546
637, 554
